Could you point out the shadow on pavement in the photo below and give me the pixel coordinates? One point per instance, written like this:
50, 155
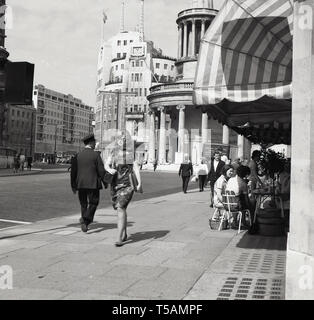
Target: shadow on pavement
100, 227
262, 242
140, 236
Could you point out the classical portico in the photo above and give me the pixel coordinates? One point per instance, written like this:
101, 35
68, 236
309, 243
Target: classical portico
183, 128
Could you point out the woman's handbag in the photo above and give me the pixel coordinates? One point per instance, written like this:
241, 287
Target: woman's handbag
134, 182
108, 177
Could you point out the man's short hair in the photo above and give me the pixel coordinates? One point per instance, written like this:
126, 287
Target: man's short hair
256, 153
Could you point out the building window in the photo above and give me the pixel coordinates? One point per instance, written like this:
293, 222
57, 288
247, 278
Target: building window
132, 76
136, 77
125, 42
137, 63
145, 92
118, 55
13, 112
172, 67
140, 91
135, 108
157, 65
124, 54
133, 63
131, 41
141, 63
141, 76
119, 43
18, 113
122, 66
23, 114
116, 67
165, 66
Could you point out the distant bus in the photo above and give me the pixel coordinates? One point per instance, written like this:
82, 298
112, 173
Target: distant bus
7, 157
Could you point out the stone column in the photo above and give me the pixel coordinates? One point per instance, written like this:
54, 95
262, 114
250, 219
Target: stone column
203, 29
162, 136
300, 249
204, 127
181, 127
152, 146
225, 135
179, 41
185, 39
240, 146
193, 36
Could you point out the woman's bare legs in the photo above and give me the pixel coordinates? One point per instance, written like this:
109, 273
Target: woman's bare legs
122, 222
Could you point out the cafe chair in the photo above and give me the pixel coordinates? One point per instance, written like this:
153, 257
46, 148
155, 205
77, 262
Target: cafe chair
231, 205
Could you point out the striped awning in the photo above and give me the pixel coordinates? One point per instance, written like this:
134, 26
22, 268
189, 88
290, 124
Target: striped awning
246, 53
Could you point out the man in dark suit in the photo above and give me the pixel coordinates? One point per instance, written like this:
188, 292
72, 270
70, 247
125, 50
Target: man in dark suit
87, 175
216, 166
185, 171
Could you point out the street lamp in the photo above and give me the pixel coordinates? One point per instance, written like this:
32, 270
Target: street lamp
55, 146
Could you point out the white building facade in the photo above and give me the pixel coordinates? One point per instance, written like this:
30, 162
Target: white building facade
127, 68
61, 122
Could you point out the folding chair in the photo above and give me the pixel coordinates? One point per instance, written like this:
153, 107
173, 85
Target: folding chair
231, 204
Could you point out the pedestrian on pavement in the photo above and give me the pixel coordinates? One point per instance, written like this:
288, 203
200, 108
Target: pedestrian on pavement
254, 179
126, 180
22, 162
214, 173
185, 171
87, 176
202, 173
155, 163
16, 163
29, 163
71, 161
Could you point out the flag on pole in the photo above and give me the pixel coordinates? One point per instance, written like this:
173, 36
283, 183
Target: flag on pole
104, 17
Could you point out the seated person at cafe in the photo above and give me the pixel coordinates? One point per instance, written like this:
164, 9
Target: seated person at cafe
226, 173
239, 186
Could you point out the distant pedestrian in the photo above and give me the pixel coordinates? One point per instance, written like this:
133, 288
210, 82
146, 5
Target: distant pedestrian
16, 164
185, 172
202, 173
71, 161
29, 163
87, 175
22, 162
155, 163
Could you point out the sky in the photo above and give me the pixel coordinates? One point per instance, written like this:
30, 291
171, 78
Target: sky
62, 37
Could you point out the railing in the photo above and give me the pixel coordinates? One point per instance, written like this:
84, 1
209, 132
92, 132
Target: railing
171, 87
196, 11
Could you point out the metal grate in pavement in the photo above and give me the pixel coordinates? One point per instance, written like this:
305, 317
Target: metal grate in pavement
265, 263
252, 288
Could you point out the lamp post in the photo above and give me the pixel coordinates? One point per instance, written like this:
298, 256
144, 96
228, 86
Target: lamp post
55, 138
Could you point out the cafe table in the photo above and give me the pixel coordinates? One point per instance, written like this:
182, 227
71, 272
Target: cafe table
262, 195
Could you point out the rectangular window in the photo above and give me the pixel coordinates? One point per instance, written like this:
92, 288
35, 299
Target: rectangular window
116, 67
157, 65
119, 43
141, 63
140, 91
137, 63
13, 112
118, 55
125, 42
172, 67
122, 66
165, 66
132, 77
135, 108
136, 77
145, 92
133, 63
18, 113
124, 55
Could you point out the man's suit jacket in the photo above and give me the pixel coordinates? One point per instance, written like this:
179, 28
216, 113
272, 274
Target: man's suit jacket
215, 174
186, 169
87, 171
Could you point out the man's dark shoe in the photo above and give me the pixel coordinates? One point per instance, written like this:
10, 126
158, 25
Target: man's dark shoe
84, 226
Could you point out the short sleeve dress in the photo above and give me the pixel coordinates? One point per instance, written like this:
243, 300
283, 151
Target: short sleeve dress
121, 189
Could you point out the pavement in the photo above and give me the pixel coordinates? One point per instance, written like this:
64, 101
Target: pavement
171, 254
9, 172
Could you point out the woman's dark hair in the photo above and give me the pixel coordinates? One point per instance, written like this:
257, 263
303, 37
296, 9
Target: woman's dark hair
225, 169
243, 171
256, 153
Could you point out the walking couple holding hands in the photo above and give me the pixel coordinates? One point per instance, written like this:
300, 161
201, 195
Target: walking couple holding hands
89, 174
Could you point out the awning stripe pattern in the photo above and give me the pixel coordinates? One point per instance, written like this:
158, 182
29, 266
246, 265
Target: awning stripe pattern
246, 53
